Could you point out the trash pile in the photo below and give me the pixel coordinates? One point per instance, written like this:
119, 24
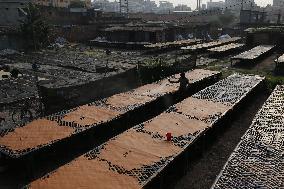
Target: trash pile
59, 42
6, 52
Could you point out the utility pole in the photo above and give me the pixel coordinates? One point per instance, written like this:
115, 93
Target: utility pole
279, 17
250, 12
263, 16
197, 4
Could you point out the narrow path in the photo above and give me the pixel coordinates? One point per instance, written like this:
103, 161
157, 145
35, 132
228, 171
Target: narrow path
205, 170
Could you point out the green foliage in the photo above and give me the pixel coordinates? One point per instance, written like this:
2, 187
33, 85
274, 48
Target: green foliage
273, 81
154, 69
215, 23
227, 18
77, 4
34, 28
153, 62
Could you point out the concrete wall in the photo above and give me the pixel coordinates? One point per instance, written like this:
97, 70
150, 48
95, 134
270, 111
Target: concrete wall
11, 41
10, 13
81, 33
57, 99
62, 16
59, 3
265, 38
139, 36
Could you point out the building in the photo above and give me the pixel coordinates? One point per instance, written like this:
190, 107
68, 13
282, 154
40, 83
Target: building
269, 35
252, 17
278, 3
215, 5
140, 33
275, 14
165, 7
182, 7
106, 6
237, 5
12, 12
145, 6
63, 3
134, 6
150, 6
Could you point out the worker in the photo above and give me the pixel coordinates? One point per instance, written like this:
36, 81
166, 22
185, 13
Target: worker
194, 59
183, 82
2, 118
15, 73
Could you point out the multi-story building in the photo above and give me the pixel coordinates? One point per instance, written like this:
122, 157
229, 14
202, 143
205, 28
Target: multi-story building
275, 13
106, 6
237, 5
134, 6
278, 3
215, 5
150, 6
165, 7
182, 7
62, 3
146, 6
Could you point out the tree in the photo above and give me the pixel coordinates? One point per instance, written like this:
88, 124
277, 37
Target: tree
34, 28
227, 18
77, 4
215, 23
